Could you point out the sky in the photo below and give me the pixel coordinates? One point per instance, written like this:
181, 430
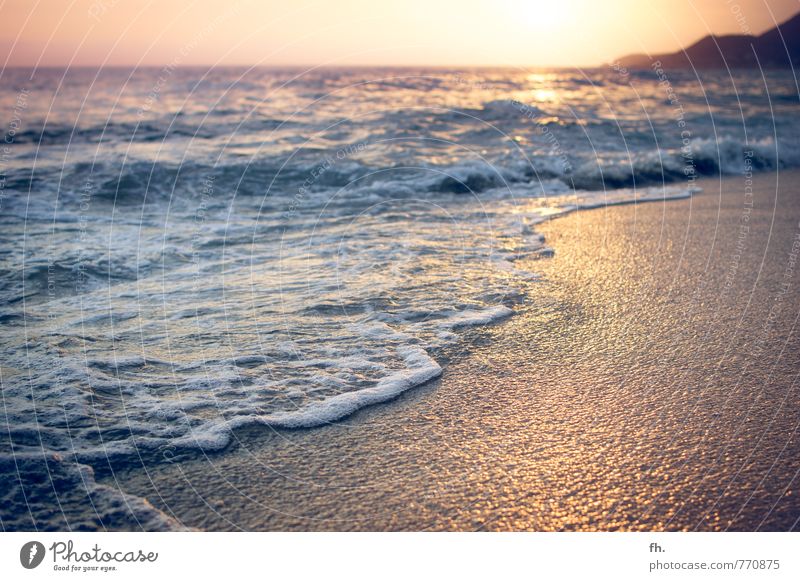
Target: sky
531, 33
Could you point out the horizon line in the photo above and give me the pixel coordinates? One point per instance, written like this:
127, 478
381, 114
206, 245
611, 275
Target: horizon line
303, 66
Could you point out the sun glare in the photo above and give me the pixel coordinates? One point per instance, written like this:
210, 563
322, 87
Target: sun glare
547, 14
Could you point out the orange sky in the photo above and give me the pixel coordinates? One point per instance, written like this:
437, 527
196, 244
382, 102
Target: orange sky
368, 32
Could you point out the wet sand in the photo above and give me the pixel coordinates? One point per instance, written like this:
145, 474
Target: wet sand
649, 384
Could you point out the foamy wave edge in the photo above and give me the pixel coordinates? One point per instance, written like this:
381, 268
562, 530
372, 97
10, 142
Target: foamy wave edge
421, 368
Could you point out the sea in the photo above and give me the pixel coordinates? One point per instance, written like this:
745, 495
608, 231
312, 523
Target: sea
190, 251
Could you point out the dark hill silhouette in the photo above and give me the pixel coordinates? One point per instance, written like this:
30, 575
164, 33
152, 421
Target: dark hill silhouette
776, 48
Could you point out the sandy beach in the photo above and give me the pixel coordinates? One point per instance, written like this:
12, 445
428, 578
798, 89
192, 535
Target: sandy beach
650, 384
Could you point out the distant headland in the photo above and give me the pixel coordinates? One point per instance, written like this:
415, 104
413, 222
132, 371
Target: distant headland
779, 47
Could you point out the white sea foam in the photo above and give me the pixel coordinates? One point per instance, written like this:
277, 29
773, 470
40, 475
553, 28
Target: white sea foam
471, 318
420, 368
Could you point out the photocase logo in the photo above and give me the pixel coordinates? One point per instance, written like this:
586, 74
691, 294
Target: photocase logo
31, 554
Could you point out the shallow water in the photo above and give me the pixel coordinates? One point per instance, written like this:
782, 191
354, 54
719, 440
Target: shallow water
186, 253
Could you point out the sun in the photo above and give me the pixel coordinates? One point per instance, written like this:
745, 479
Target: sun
541, 14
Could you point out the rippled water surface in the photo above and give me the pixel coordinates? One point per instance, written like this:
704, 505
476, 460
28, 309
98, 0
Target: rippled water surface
187, 252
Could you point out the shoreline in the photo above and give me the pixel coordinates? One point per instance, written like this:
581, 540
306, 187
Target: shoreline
466, 452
